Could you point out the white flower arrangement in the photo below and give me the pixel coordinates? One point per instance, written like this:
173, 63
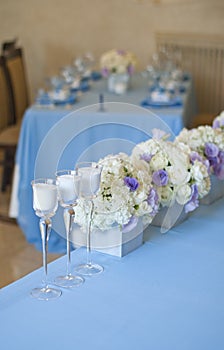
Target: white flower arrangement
117, 61
175, 175
208, 142
126, 193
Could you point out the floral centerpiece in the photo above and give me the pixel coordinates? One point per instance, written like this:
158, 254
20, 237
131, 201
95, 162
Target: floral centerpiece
208, 142
177, 174
126, 194
117, 61
118, 66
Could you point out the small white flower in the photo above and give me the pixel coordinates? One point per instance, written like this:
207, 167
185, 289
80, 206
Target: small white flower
183, 194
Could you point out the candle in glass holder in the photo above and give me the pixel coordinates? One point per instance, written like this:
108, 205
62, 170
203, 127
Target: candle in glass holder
69, 187
90, 181
45, 198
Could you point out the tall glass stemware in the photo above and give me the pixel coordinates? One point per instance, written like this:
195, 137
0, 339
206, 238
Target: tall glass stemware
90, 183
68, 193
45, 204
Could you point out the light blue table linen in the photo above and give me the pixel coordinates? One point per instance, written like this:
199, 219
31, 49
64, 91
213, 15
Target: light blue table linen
40, 123
166, 295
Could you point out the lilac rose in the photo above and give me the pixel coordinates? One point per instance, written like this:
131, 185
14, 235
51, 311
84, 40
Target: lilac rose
160, 177
211, 150
131, 182
153, 200
146, 157
105, 72
219, 171
216, 124
193, 202
130, 69
195, 156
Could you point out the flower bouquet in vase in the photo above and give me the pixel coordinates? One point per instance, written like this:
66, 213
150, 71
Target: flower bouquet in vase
117, 66
208, 142
124, 205
179, 180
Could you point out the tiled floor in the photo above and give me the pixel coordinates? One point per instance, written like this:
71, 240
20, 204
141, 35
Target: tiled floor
17, 257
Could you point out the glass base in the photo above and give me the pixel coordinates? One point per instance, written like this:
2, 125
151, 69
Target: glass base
88, 269
45, 293
69, 281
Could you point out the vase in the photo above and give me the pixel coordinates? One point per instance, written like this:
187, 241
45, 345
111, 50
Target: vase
112, 241
118, 83
216, 192
169, 217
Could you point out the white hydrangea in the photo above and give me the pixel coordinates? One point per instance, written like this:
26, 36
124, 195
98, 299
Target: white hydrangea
116, 203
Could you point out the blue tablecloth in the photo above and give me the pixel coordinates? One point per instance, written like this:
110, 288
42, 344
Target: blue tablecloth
168, 294
56, 138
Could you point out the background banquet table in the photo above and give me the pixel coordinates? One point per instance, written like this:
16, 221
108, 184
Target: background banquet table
167, 294
44, 129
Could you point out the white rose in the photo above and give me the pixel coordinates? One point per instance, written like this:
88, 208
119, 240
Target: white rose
178, 175
158, 161
198, 171
183, 194
166, 195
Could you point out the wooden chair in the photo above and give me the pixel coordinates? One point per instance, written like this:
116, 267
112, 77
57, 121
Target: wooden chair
9, 131
9, 45
15, 66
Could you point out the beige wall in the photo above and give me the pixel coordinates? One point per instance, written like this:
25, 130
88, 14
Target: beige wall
53, 32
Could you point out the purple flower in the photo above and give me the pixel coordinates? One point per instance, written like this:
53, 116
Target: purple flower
105, 72
195, 156
130, 225
211, 150
213, 161
221, 157
131, 182
216, 124
153, 200
121, 52
146, 157
160, 177
130, 69
219, 171
193, 202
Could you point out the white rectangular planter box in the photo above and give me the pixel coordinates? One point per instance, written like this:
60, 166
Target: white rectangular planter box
216, 191
169, 217
113, 241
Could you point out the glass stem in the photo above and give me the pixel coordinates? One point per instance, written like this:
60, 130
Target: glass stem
45, 229
89, 227
68, 218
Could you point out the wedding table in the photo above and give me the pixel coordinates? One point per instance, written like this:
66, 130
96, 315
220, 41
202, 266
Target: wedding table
56, 138
167, 294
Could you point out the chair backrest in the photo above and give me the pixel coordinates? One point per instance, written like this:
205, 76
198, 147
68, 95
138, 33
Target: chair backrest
203, 57
6, 101
16, 69
9, 45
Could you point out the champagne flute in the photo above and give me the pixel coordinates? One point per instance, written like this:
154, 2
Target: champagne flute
90, 182
68, 193
45, 204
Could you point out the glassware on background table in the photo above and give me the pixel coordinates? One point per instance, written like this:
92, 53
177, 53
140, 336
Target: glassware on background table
68, 193
45, 204
90, 183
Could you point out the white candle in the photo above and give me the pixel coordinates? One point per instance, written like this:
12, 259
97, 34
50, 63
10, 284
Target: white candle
120, 88
90, 181
68, 188
45, 198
